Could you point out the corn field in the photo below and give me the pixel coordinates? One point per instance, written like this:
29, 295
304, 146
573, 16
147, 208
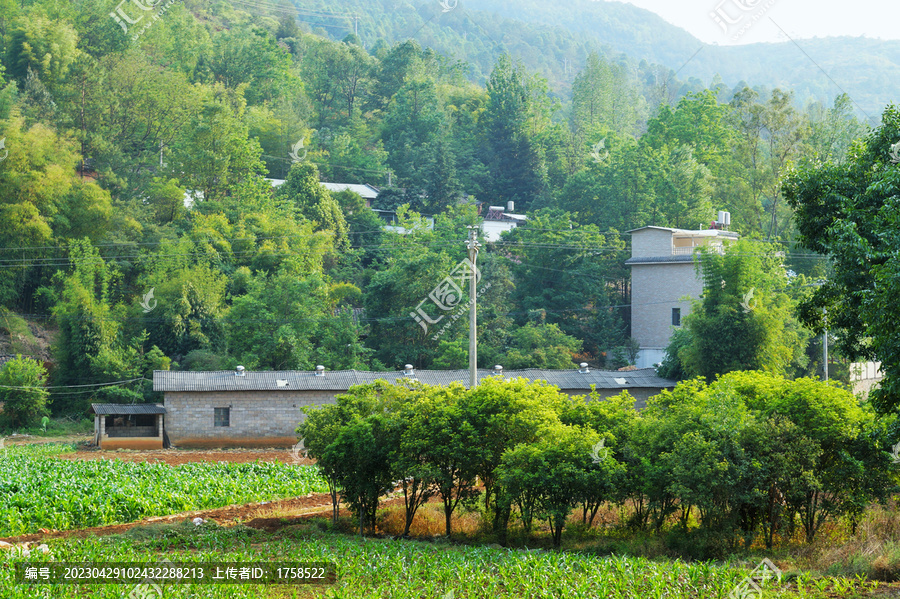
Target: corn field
392, 569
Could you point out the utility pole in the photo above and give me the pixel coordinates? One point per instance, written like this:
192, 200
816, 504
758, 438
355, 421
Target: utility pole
824, 334
472, 245
825, 344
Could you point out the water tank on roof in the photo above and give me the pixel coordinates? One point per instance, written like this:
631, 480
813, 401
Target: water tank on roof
724, 218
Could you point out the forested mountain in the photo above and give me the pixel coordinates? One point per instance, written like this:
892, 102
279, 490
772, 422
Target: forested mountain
555, 39
138, 224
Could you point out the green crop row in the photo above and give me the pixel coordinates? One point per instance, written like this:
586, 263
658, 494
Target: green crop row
37, 491
35, 450
370, 569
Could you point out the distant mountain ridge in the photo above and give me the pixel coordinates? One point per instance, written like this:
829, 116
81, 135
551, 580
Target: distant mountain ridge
865, 68
554, 39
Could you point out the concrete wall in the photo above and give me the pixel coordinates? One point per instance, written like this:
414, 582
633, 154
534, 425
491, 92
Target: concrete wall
865, 376
257, 418
649, 358
131, 443
493, 228
651, 243
655, 290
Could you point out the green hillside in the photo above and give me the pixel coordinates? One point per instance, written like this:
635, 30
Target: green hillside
555, 40
138, 226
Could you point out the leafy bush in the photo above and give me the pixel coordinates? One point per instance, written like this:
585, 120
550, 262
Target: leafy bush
22, 393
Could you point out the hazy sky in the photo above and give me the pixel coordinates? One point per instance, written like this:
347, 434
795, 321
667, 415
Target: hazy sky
798, 18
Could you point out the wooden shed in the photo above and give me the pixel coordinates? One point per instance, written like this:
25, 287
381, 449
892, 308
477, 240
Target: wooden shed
128, 426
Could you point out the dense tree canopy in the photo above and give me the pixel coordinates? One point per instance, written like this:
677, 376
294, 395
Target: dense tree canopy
848, 211
750, 455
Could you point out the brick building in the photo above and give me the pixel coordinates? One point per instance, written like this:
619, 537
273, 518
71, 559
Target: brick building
664, 280
263, 409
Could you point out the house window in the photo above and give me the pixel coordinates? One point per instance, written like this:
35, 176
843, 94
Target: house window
676, 317
222, 416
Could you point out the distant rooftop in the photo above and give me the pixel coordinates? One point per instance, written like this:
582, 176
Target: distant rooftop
365, 190
690, 232
500, 213
368, 192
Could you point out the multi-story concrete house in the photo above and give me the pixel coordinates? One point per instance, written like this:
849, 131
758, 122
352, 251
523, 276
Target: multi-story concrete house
664, 280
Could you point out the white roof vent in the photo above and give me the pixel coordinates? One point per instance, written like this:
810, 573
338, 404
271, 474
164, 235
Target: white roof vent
583, 368
239, 371
498, 369
408, 370
320, 370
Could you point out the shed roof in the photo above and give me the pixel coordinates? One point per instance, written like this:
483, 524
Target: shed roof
118, 409
341, 380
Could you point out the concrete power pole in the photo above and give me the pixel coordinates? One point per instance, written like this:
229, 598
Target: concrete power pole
825, 344
472, 245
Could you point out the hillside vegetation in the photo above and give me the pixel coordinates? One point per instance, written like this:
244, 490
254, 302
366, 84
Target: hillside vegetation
138, 221
555, 39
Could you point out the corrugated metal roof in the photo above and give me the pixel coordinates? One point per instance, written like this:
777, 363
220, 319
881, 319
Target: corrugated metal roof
118, 409
364, 189
341, 380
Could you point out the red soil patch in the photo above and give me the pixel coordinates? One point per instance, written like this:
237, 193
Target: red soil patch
254, 515
175, 457
313, 504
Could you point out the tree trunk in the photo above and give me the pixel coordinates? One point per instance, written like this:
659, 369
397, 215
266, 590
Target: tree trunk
448, 510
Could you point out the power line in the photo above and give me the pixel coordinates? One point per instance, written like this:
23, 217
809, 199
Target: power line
50, 387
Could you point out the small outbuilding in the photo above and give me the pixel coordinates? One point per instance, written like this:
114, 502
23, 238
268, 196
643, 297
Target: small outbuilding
128, 426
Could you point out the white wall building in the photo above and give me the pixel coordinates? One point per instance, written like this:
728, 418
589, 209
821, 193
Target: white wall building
499, 220
664, 280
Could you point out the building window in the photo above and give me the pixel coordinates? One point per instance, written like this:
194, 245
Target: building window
223, 416
676, 317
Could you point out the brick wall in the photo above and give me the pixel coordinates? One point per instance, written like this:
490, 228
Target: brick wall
256, 418
266, 418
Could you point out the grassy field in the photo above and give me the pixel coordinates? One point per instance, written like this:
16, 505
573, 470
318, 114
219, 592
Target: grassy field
38, 491
379, 568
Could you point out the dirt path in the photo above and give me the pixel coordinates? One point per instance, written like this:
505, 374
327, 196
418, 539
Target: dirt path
267, 515
34, 439
299, 508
